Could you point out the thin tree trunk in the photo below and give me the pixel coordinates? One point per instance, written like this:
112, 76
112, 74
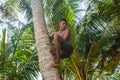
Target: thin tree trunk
43, 43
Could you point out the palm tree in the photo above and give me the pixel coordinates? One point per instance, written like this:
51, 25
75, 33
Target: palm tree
42, 42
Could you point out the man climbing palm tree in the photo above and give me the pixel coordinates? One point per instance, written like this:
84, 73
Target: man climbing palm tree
63, 46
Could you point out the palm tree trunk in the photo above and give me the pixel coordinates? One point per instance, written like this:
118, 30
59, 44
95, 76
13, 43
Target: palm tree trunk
43, 43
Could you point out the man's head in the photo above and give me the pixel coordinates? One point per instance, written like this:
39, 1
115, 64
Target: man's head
62, 23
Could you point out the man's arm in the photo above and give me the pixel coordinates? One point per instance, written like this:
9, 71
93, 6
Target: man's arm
52, 35
66, 35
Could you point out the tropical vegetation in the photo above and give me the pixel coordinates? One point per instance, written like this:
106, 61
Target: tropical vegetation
95, 27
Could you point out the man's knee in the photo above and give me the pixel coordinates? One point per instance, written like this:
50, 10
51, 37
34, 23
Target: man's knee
56, 37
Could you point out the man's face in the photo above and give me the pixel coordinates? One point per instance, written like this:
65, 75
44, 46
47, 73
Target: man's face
62, 25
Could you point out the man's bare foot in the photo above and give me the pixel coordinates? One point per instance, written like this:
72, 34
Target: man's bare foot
55, 64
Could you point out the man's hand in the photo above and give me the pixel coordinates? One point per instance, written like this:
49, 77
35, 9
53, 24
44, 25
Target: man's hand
52, 35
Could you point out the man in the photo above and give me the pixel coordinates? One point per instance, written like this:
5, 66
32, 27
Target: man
63, 47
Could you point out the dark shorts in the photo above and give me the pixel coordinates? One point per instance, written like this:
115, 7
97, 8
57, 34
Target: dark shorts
66, 49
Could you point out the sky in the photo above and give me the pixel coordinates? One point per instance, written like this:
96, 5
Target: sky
21, 16
82, 6
1, 25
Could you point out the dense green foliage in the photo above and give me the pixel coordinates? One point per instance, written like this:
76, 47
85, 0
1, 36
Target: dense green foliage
18, 54
95, 37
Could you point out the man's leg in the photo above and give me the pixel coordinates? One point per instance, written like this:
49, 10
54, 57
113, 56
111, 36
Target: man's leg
57, 46
53, 51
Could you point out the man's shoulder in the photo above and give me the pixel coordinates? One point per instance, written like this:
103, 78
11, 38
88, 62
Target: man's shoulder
68, 30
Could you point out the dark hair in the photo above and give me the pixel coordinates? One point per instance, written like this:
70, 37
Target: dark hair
62, 19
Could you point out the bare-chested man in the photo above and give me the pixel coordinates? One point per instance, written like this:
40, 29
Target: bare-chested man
63, 47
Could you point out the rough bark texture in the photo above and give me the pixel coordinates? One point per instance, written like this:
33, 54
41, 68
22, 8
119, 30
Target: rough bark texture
43, 43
